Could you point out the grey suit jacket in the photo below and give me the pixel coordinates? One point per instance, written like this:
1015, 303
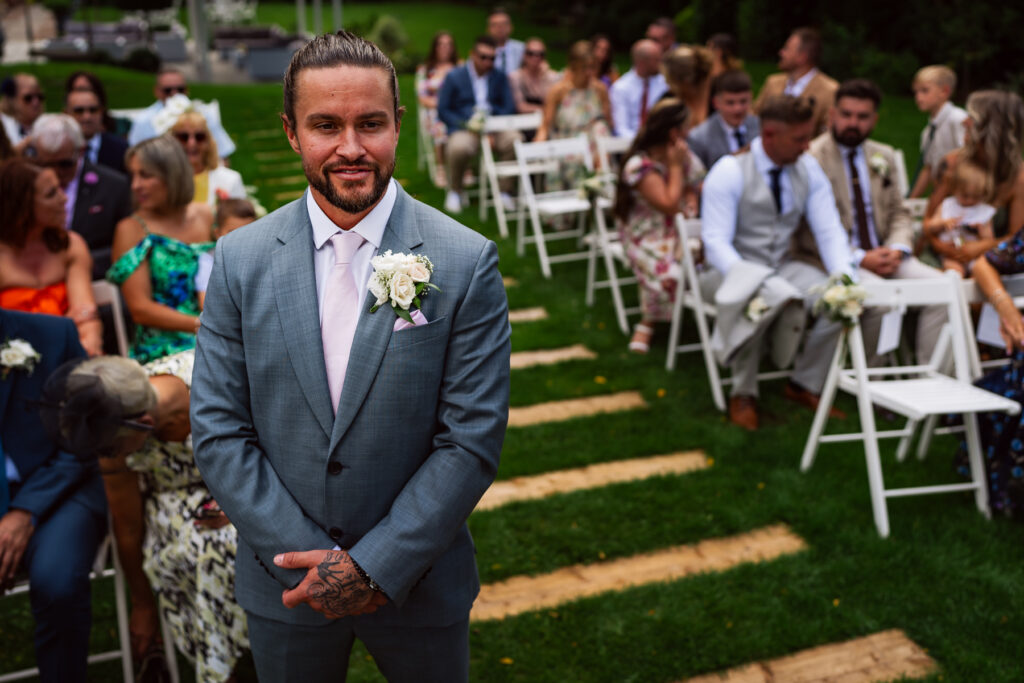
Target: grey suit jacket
394, 475
709, 141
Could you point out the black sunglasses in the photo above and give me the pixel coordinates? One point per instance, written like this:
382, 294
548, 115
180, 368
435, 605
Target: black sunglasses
28, 98
486, 58
534, 53
183, 89
78, 111
183, 137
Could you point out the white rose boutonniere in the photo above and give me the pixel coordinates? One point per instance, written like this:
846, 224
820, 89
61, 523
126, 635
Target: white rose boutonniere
878, 165
402, 280
17, 354
756, 309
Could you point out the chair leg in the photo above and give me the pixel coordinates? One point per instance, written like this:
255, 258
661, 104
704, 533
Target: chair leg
675, 325
976, 465
170, 653
595, 245
123, 631
828, 395
927, 432
542, 247
873, 460
905, 441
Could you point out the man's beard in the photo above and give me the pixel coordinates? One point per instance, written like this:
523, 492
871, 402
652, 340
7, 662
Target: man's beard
850, 137
354, 202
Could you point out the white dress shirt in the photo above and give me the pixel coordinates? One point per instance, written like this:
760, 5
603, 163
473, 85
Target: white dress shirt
12, 128
723, 189
796, 88
625, 95
509, 56
92, 148
371, 228
730, 135
479, 87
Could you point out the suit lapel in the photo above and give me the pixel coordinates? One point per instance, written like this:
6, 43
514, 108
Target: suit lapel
84, 199
373, 332
721, 139
295, 290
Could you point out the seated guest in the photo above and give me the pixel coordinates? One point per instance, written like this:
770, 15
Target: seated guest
964, 216
933, 87
86, 80
156, 250
103, 148
579, 102
993, 140
6, 151
52, 509
663, 32
658, 180
800, 77
607, 72
723, 54
881, 233
174, 532
532, 81
44, 268
430, 75
213, 180
171, 82
231, 215
97, 197
472, 88
687, 70
21, 103
634, 95
731, 128
508, 52
752, 204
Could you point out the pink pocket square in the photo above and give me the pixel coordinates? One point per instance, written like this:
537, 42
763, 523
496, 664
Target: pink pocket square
417, 319
96, 208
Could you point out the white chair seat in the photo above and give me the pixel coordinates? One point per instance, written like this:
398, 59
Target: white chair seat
557, 206
919, 398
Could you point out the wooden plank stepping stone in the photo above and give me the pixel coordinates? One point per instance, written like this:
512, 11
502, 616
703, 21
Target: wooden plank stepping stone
884, 656
527, 315
521, 594
509, 282
589, 477
557, 411
528, 359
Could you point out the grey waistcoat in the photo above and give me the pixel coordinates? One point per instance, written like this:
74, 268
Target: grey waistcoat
762, 234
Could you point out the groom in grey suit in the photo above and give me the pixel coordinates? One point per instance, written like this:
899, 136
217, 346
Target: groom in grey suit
351, 519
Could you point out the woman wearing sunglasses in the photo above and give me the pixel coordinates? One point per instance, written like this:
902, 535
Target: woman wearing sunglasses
212, 180
156, 249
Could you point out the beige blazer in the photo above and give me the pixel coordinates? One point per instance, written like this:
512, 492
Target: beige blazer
892, 221
822, 88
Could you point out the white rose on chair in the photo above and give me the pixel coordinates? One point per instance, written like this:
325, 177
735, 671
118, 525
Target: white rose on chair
842, 300
476, 122
401, 280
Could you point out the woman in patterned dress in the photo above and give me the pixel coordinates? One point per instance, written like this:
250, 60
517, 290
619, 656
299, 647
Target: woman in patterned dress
658, 180
156, 249
429, 77
579, 102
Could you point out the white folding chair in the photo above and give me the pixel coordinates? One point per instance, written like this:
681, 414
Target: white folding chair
902, 183
425, 157
608, 148
912, 391
547, 205
107, 294
491, 170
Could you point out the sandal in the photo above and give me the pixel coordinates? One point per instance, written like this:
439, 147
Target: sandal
641, 341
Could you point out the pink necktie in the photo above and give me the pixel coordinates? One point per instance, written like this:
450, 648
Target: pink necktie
341, 312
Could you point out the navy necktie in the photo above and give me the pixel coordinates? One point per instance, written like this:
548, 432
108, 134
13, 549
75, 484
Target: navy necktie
775, 173
740, 141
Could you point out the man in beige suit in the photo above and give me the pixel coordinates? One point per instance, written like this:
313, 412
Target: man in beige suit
863, 177
800, 77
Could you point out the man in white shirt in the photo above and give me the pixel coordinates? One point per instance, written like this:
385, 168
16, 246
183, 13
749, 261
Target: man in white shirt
171, 82
21, 103
635, 93
752, 205
881, 233
800, 77
508, 50
732, 127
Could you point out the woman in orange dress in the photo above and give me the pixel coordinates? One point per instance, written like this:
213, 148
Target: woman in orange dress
44, 268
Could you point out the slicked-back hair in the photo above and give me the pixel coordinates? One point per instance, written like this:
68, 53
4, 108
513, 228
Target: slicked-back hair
787, 109
732, 81
810, 42
860, 89
337, 49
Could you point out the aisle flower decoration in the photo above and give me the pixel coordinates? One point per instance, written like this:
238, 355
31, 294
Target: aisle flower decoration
401, 280
756, 309
17, 354
842, 300
476, 121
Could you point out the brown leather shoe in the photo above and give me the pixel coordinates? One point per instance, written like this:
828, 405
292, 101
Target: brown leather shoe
796, 393
743, 412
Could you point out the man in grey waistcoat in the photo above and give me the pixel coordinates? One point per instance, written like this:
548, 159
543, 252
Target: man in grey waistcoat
752, 205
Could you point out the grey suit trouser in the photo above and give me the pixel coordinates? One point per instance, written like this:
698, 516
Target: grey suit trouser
288, 653
812, 362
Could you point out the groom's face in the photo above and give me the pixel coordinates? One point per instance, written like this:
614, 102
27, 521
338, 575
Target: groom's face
346, 131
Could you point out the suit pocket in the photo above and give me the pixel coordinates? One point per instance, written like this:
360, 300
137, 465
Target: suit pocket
420, 333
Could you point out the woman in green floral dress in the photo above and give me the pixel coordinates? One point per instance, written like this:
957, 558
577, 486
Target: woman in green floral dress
156, 250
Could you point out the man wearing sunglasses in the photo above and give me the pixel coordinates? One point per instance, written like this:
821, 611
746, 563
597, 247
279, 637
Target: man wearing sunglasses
171, 82
476, 86
103, 148
98, 197
21, 103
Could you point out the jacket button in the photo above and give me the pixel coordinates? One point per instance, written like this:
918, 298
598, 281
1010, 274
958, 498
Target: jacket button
334, 467
335, 533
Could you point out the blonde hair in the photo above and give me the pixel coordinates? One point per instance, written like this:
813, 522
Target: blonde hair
211, 159
165, 158
687, 68
996, 138
581, 52
939, 74
971, 178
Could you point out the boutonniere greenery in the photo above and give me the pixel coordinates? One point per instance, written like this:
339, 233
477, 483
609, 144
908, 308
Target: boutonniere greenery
878, 165
17, 354
401, 280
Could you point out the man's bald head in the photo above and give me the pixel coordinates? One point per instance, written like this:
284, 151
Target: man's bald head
646, 56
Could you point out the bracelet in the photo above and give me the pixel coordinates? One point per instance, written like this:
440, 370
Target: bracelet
366, 577
997, 296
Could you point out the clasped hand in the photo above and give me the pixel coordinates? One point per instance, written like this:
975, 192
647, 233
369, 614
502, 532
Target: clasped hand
882, 261
332, 585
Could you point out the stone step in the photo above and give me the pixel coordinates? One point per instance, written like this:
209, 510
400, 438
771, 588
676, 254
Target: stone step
527, 315
557, 411
529, 359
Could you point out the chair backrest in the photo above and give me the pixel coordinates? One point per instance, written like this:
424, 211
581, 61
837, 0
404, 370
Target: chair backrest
496, 124
106, 294
607, 146
902, 184
564, 148
971, 295
902, 294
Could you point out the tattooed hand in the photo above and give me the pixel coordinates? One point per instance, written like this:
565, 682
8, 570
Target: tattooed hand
332, 585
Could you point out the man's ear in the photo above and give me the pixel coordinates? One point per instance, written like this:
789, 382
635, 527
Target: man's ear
289, 130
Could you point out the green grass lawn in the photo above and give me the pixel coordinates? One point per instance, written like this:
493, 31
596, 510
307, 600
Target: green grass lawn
948, 577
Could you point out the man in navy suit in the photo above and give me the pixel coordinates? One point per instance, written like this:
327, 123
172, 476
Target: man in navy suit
52, 506
476, 86
731, 128
103, 148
